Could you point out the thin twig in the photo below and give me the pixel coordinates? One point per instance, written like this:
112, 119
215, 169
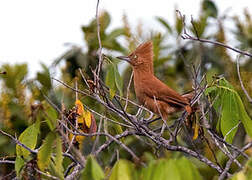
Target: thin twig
99, 39
83, 77
188, 36
128, 89
7, 162
97, 138
240, 79
46, 174
18, 142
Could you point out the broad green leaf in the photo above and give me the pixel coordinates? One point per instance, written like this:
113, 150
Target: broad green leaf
110, 80
229, 116
51, 120
115, 33
231, 109
29, 138
92, 170
19, 163
45, 151
165, 24
59, 158
118, 80
245, 119
147, 173
122, 170
210, 8
175, 169
187, 170
160, 172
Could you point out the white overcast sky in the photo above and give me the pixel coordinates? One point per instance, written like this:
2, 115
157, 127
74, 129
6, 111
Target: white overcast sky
35, 31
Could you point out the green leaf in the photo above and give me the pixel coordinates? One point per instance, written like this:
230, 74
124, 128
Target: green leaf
114, 34
59, 158
210, 8
92, 170
19, 163
104, 21
147, 173
229, 116
118, 80
246, 120
44, 78
45, 151
51, 119
110, 80
15, 75
165, 24
179, 24
175, 169
122, 170
29, 138
200, 26
187, 169
161, 172
231, 109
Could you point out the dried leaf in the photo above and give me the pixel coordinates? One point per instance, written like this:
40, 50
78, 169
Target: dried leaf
87, 118
196, 131
79, 106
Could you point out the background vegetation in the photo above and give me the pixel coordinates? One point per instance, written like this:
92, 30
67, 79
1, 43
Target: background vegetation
29, 107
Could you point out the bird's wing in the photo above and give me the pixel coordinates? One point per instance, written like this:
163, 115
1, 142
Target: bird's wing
154, 87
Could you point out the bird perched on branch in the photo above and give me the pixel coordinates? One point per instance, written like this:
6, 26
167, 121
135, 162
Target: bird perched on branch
150, 91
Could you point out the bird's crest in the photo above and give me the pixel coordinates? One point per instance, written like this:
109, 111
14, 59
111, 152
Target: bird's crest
145, 48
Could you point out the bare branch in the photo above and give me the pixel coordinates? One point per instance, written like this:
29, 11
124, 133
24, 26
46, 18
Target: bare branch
240, 79
6, 162
99, 39
189, 37
18, 142
128, 89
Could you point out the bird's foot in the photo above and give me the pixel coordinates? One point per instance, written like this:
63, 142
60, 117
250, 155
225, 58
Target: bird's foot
188, 110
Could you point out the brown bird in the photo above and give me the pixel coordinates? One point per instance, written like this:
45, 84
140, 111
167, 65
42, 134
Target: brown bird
150, 91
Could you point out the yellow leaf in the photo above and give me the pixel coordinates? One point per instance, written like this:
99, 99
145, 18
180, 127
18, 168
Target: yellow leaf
87, 117
241, 176
80, 119
196, 131
79, 139
79, 106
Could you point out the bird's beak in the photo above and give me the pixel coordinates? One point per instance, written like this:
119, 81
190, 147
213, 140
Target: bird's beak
125, 58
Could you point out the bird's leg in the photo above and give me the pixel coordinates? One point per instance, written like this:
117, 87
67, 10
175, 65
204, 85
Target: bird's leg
139, 111
162, 129
188, 109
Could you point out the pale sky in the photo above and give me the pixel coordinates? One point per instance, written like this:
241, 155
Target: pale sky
35, 31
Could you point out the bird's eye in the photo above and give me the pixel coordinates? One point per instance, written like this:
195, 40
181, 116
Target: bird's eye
135, 56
